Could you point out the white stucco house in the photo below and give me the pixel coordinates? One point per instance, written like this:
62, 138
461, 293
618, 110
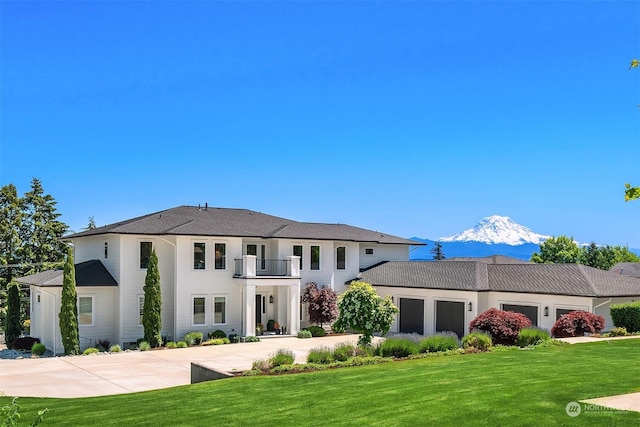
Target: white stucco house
436, 296
227, 269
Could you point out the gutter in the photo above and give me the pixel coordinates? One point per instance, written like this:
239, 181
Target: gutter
600, 305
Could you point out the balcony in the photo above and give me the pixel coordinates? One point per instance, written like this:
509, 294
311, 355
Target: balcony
251, 266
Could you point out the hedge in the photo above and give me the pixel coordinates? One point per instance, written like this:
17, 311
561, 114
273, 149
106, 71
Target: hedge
626, 316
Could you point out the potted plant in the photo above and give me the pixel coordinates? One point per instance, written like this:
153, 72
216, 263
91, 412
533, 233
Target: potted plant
259, 328
276, 327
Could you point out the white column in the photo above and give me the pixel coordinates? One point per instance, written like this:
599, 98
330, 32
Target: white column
294, 309
249, 265
294, 266
249, 306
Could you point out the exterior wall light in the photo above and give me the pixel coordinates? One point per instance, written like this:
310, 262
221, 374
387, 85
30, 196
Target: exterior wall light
470, 306
546, 311
271, 299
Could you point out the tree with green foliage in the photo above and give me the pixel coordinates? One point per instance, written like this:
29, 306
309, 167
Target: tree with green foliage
68, 316
437, 251
360, 308
151, 311
91, 225
13, 326
557, 250
41, 230
631, 193
10, 241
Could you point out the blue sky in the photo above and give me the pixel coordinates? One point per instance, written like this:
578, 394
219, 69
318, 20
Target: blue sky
416, 118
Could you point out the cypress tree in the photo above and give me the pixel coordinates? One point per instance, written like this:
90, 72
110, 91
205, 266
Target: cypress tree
12, 326
69, 308
151, 312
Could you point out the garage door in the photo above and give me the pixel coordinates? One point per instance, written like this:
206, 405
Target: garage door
450, 317
528, 310
411, 316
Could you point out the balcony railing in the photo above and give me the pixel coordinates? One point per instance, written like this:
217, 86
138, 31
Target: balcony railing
251, 266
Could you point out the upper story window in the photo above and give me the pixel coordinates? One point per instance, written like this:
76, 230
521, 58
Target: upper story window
199, 254
297, 251
368, 251
221, 256
106, 250
145, 253
315, 258
252, 249
341, 258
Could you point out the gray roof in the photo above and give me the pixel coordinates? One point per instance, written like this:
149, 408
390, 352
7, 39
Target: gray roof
627, 269
554, 279
88, 273
198, 221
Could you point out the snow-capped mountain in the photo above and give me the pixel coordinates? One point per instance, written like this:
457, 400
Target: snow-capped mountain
498, 230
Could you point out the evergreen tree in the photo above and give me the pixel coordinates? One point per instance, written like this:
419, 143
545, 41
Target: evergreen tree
41, 230
437, 251
91, 225
151, 312
10, 242
13, 326
69, 308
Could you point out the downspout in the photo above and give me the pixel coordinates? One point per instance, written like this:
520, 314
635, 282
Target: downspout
175, 284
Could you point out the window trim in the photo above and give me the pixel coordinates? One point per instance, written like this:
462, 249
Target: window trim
193, 314
226, 320
204, 258
92, 311
311, 258
223, 257
140, 254
344, 259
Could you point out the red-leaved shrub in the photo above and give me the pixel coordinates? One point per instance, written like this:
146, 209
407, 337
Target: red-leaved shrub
503, 326
576, 323
24, 343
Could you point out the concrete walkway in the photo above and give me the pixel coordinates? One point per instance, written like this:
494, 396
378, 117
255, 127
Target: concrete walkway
134, 371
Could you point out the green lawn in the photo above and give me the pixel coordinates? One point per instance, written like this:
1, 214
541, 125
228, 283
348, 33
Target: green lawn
515, 387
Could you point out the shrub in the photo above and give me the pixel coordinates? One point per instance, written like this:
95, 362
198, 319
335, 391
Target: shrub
91, 350
26, 325
316, 331
576, 323
626, 316
38, 349
193, 338
532, 336
251, 338
342, 352
115, 348
503, 326
366, 351
282, 357
217, 334
477, 340
233, 338
619, 332
181, 344
320, 355
24, 343
304, 334
439, 342
144, 346
397, 347
216, 341
172, 344
104, 344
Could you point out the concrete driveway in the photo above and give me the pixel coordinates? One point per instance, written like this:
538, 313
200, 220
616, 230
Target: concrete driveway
134, 371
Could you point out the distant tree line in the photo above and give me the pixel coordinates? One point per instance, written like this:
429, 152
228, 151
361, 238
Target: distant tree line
563, 250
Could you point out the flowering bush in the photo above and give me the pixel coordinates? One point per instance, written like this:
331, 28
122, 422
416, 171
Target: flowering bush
576, 323
503, 326
360, 308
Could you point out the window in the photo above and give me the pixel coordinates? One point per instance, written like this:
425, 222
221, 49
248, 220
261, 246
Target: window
252, 249
315, 257
341, 258
85, 311
145, 253
297, 251
106, 250
198, 311
368, 251
221, 256
220, 310
140, 309
199, 253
